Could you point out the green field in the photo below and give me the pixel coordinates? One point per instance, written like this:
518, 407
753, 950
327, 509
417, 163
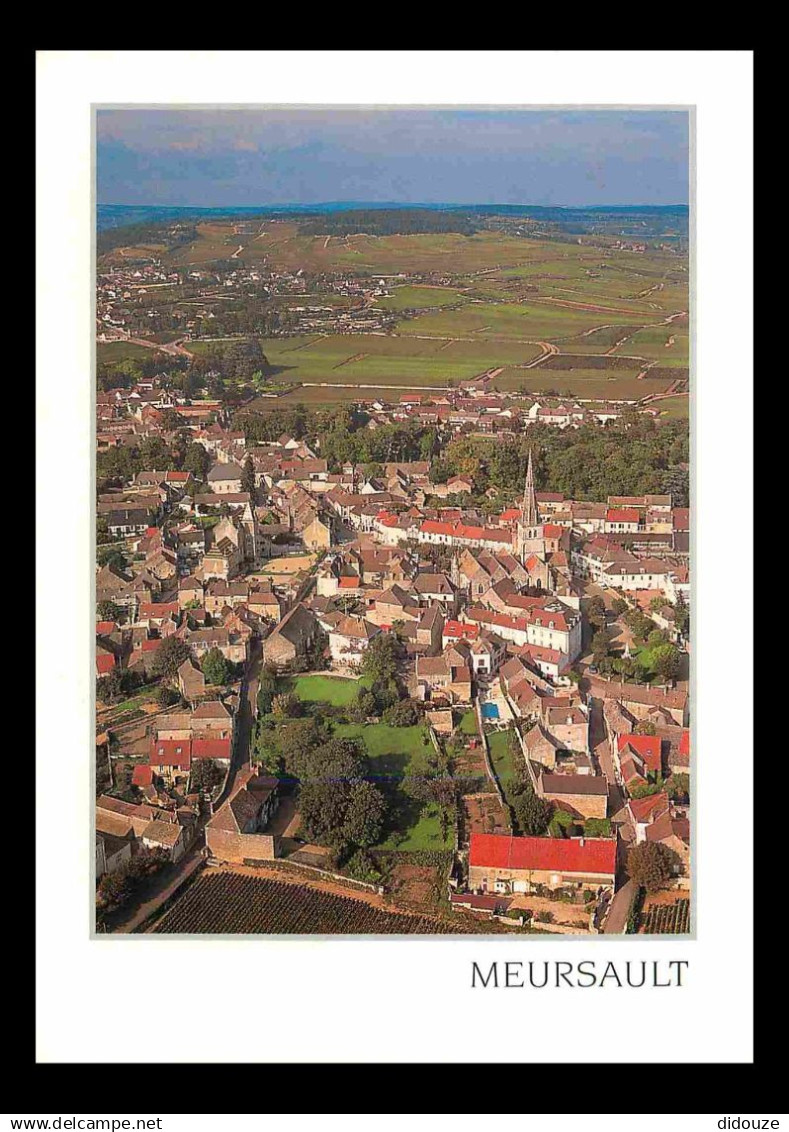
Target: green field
403, 298
395, 752
354, 359
327, 689
109, 352
664, 343
530, 321
675, 408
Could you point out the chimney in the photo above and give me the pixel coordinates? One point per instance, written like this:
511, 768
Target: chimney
582, 842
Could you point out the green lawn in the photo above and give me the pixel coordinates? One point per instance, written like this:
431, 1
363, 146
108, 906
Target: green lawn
395, 752
501, 757
504, 761
327, 689
468, 724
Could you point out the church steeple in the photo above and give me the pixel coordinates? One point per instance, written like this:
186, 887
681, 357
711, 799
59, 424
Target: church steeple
529, 516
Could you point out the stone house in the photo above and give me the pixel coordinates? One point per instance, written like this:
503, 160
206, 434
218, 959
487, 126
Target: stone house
350, 638
584, 795
236, 831
292, 637
506, 864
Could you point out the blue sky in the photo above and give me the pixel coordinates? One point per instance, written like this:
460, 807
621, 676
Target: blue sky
224, 158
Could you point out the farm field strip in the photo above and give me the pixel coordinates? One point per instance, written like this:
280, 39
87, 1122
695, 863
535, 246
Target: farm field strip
233, 903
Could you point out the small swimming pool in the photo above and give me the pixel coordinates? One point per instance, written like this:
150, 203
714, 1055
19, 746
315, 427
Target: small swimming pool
490, 711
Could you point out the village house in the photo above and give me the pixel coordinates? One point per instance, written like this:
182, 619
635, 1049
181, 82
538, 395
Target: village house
445, 677
224, 478
291, 638
111, 853
236, 832
582, 795
349, 640
507, 864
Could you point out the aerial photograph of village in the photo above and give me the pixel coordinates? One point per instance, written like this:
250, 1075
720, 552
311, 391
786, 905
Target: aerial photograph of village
392, 521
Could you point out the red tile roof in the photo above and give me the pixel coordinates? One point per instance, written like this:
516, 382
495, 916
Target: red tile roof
158, 608
460, 630
105, 662
684, 743
552, 530
463, 530
171, 752
621, 515
211, 748
647, 746
142, 775
591, 855
646, 809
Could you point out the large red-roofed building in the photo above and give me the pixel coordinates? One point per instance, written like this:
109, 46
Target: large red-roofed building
501, 863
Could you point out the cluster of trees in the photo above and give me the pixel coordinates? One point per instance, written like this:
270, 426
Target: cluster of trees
116, 889
241, 360
342, 434
651, 865
630, 456
531, 814
206, 774
121, 464
389, 222
215, 667
340, 805
657, 657
169, 657
116, 685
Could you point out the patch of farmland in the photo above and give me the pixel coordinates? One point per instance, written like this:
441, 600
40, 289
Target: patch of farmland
445, 252
388, 360
236, 904
674, 408
110, 352
588, 384
664, 343
663, 918
668, 373
528, 320
604, 362
214, 241
414, 298
600, 340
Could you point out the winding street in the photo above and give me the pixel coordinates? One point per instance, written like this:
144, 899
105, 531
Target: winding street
245, 719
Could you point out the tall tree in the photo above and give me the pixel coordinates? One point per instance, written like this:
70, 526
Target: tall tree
248, 477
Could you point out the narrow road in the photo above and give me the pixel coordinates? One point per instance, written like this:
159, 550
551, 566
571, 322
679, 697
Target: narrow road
616, 920
244, 720
162, 888
601, 749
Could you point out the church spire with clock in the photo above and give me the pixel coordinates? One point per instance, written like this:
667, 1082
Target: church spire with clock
530, 532
529, 515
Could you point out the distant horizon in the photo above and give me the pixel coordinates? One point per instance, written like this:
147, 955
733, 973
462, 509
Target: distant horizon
318, 205
248, 157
